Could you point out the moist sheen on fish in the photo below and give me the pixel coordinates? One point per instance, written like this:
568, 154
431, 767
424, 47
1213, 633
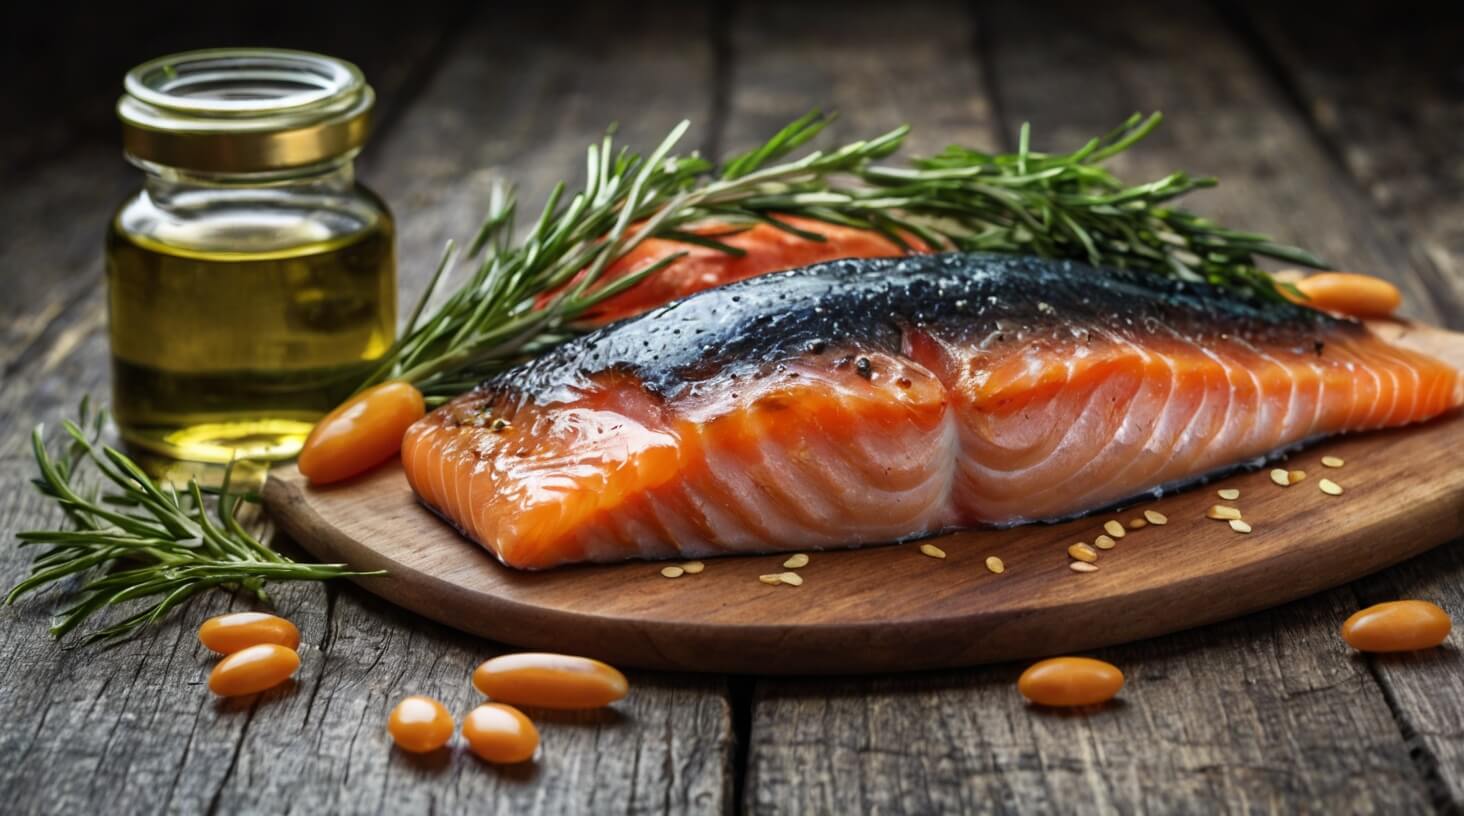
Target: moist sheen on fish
866, 401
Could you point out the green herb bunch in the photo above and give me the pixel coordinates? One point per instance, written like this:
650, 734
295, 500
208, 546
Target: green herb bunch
524, 295
140, 541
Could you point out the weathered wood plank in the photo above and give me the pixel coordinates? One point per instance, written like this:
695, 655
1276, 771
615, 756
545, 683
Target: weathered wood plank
1265, 713
1390, 106
131, 729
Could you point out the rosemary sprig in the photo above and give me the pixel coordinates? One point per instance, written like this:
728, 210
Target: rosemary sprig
141, 540
524, 296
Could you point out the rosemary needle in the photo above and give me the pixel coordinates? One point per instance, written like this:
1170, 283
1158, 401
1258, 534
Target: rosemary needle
140, 541
524, 296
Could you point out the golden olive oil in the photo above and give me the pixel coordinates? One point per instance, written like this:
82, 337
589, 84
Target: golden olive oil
223, 353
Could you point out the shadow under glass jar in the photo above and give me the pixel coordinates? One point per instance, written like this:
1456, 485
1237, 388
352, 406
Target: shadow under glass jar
251, 281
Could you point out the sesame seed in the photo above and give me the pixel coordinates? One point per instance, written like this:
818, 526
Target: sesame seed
1223, 512
673, 572
693, 567
1295, 476
1137, 524
995, 564
1229, 494
791, 578
1113, 528
1333, 461
1239, 526
1082, 566
1104, 542
796, 560
932, 551
773, 580
1156, 517
1280, 477
1330, 487
1082, 552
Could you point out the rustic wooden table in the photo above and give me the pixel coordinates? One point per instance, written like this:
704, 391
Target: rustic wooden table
1334, 129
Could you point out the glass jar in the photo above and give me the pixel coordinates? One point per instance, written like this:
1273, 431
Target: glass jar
251, 281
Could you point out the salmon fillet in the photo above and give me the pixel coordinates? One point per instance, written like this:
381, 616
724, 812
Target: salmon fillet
874, 400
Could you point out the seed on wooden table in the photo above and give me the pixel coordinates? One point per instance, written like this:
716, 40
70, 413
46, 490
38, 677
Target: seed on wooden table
1295, 476
1104, 542
932, 551
791, 579
1330, 487
1137, 524
1082, 566
1229, 494
1223, 512
771, 580
796, 560
1239, 526
693, 567
1333, 461
673, 572
1280, 477
1083, 552
1156, 517
995, 564
1114, 529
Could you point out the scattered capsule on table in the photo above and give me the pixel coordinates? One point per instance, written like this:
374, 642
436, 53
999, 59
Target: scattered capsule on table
253, 669
1397, 626
419, 724
227, 634
361, 432
1070, 681
500, 733
550, 680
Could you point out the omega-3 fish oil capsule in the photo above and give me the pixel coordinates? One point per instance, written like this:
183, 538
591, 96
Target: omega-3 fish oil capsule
544, 680
1397, 626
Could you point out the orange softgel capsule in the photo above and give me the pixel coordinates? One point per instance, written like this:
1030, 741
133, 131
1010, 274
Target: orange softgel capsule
547, 680
1070, 681
500, 733
1397, 626
253, 670
419, 724
361, 432
227, 634
1350, 294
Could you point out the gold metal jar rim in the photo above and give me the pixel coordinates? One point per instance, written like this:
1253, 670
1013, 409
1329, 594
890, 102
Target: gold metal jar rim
244, 110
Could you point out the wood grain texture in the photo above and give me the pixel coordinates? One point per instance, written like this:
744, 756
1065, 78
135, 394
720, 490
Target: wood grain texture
132, 729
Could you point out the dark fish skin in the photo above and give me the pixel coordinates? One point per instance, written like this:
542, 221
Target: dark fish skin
868, 304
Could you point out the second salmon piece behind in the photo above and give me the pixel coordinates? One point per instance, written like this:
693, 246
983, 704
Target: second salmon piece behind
865, 401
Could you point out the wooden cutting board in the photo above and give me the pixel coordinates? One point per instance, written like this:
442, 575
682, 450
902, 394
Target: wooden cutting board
891, 608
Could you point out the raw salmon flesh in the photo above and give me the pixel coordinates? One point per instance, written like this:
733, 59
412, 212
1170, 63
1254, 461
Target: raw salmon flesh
873, 400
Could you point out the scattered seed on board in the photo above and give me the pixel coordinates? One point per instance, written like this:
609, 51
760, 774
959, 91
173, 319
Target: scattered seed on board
1082, 566
1156, 517
791, 579
796, 560
1137, 524
1114, 529
1083, 552
995, 564
1333, 461
693, 567
1104, 542
673, 572
1330, 487
1223, 512
1295, 476
1229, 494
1239, 526
932, 551
771, 580
1281, 477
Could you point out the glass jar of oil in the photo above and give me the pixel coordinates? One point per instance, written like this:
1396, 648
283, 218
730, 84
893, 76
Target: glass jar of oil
251, 280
